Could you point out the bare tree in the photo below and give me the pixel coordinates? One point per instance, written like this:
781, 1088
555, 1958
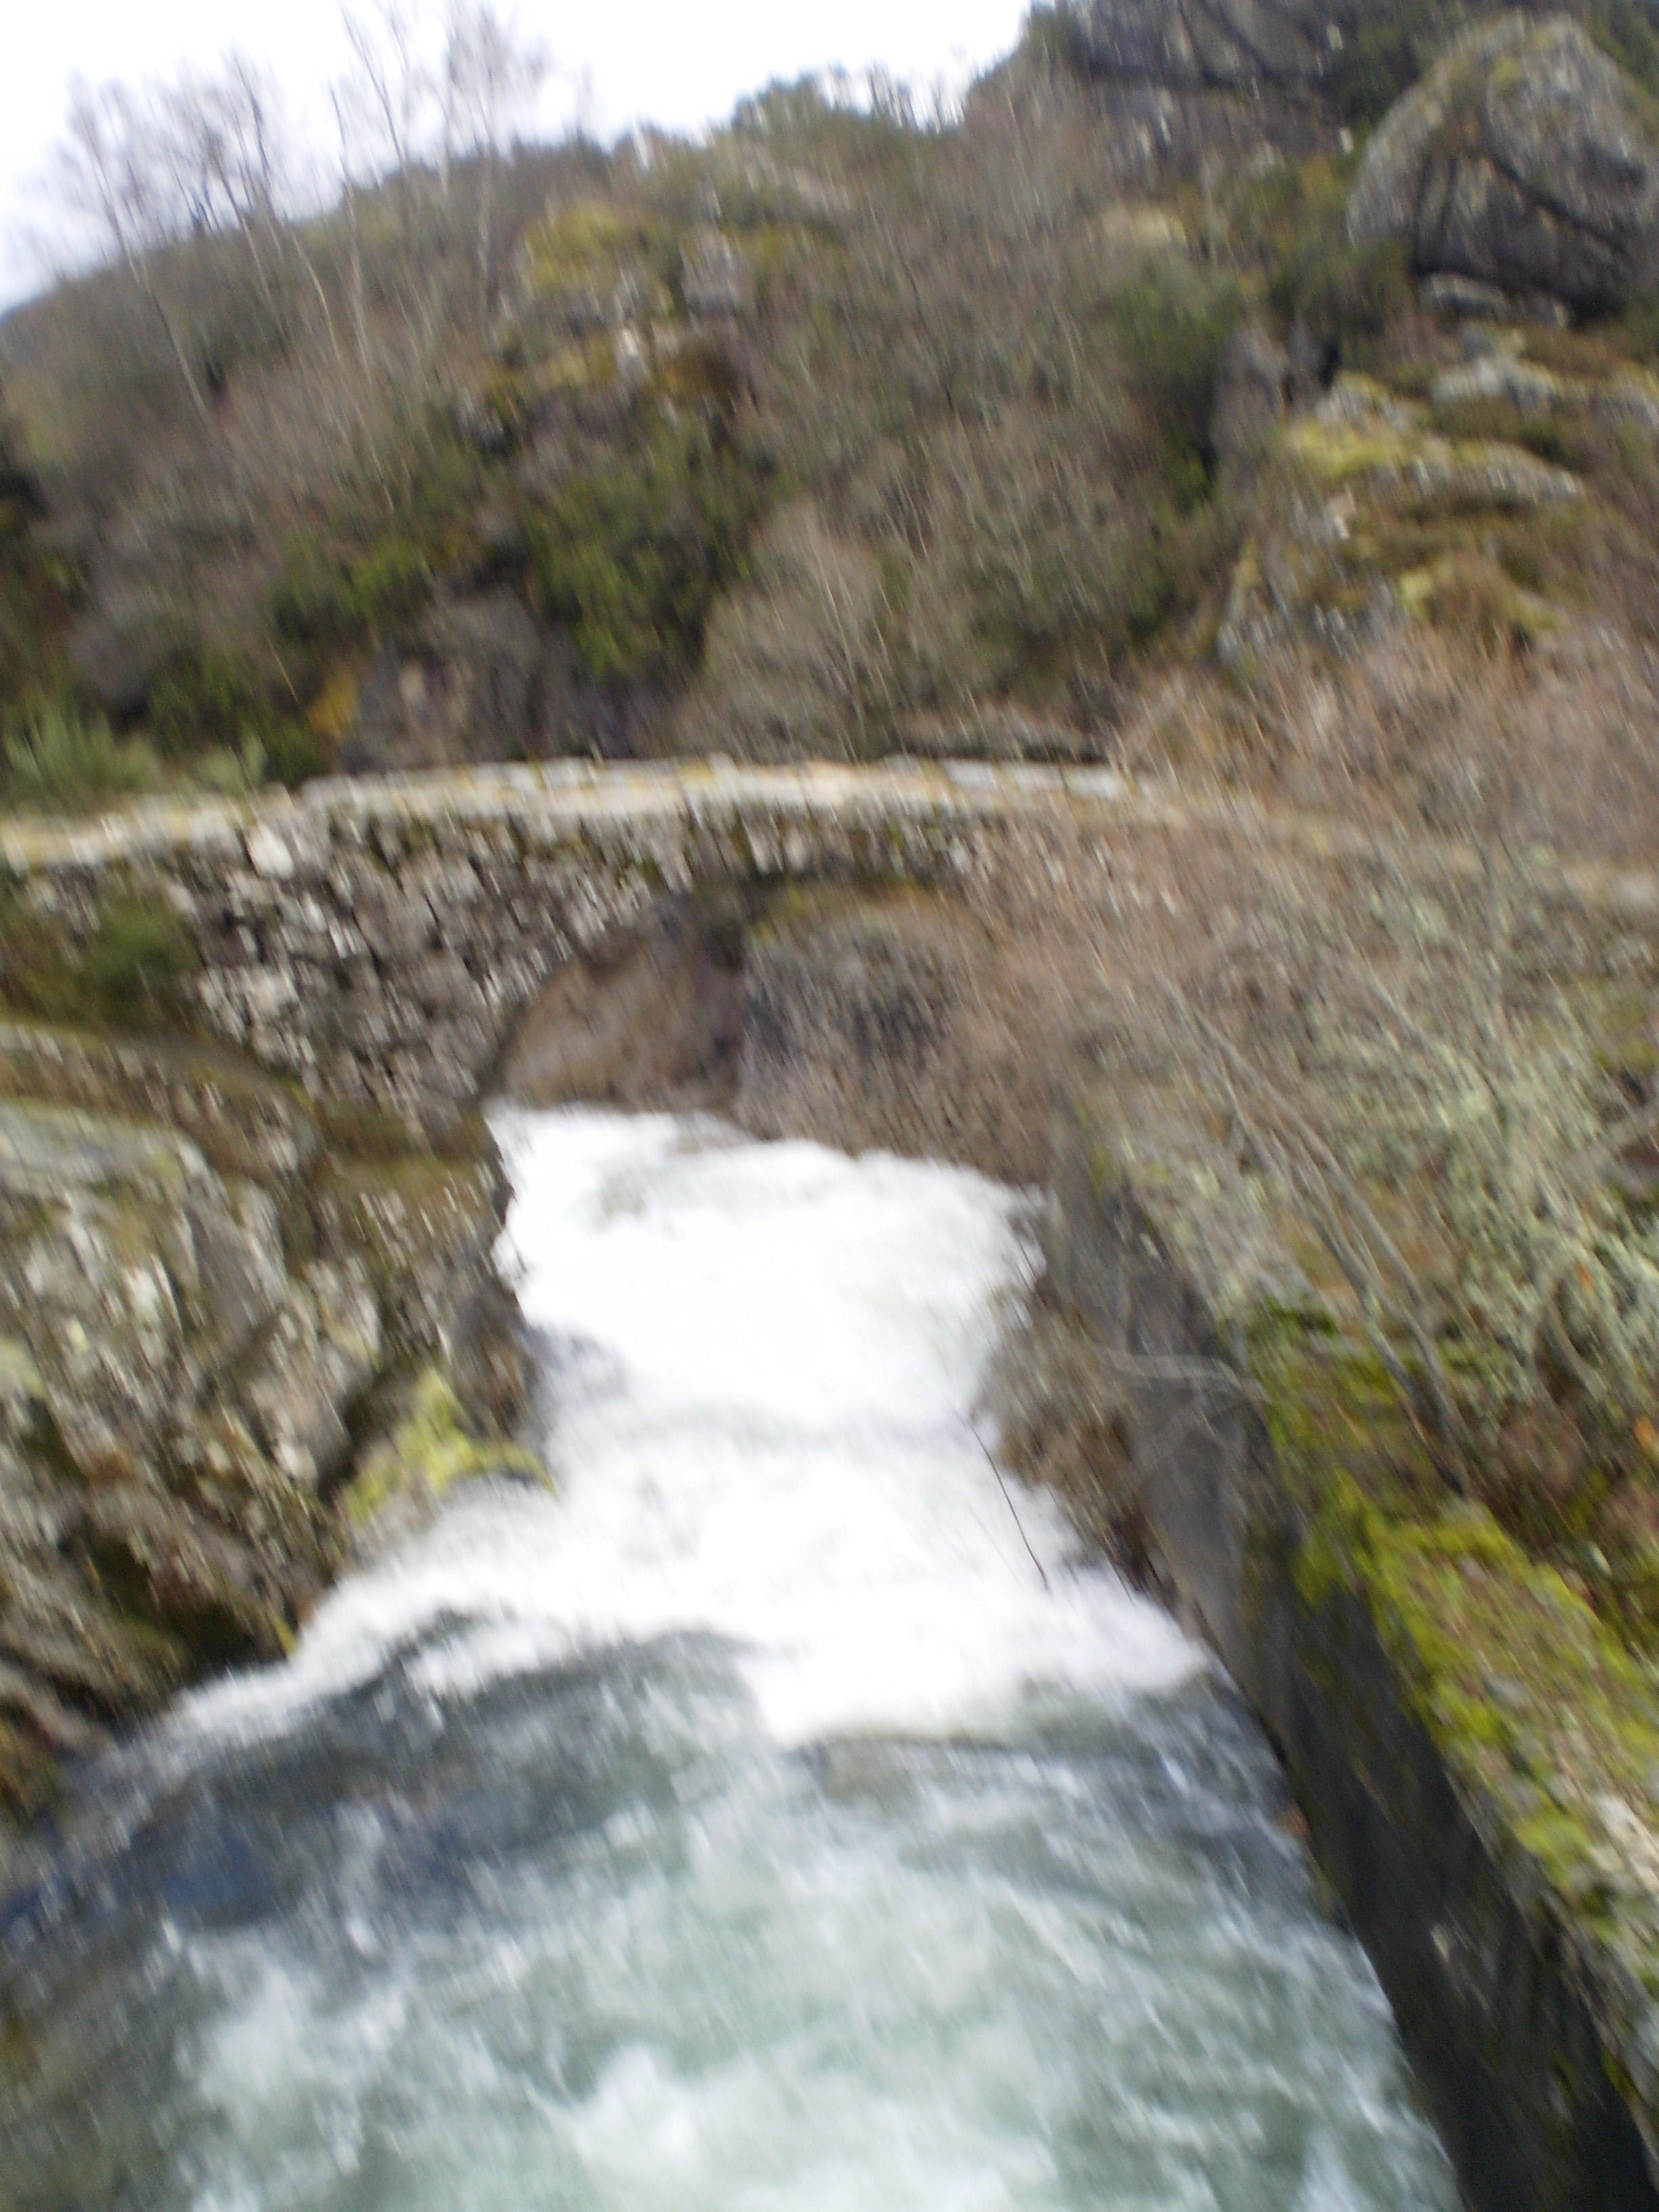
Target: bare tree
492, 77
116, 171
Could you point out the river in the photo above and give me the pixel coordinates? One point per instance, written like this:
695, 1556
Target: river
776, 1818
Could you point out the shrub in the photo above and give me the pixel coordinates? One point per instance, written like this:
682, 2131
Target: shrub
134, 970
206, 700
1345, 296
631, 558
324, 599
311, 603
388, 583
1171, 323
62, 761
138, 959
294, 752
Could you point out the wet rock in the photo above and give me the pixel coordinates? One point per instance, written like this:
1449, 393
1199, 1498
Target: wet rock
178, 1396
1525, 160
133, 1273
426, 1230
404, 1479
179, 1569
317, 1359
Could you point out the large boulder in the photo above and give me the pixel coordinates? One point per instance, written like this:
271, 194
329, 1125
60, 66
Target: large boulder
1526, 159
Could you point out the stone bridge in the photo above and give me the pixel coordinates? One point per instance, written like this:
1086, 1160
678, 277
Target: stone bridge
379, 940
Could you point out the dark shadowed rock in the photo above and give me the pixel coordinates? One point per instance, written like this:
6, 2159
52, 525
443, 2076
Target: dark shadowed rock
1526, 159
464, 688
1251, 393
651, 1016
1196, 45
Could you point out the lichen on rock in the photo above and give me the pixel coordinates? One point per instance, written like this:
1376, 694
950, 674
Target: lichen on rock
190, 1353
1526, 159
401, 1483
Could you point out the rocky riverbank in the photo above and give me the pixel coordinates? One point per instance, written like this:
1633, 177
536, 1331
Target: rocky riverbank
213, 1305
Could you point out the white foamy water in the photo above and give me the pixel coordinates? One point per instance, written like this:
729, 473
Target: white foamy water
767, 1359
779, 1818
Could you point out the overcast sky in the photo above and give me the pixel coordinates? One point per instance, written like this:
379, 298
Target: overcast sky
654, 60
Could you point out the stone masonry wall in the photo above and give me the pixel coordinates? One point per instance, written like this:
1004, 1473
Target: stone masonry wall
380, 940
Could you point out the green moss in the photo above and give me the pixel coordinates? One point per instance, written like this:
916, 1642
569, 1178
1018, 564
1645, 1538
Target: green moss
1501, 1658
1335, 454
431, 1451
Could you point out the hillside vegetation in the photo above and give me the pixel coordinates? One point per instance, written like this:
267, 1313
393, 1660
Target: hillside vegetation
855, 430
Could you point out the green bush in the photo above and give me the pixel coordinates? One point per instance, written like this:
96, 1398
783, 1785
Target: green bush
1171, 323
205, 701
630, 560
138, 959
1345, 295
311, 603
388, 585
134, 970
61, 762
326, 610
324, 599
294, 752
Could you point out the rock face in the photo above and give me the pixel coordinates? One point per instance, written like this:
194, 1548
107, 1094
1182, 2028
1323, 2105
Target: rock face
1196, 45
846, 1024
1526, 159
202, 1313
1522, 1991
1252, 393
465, 687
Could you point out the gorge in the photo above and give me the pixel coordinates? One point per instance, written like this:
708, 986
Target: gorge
313, 936
777, 1815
